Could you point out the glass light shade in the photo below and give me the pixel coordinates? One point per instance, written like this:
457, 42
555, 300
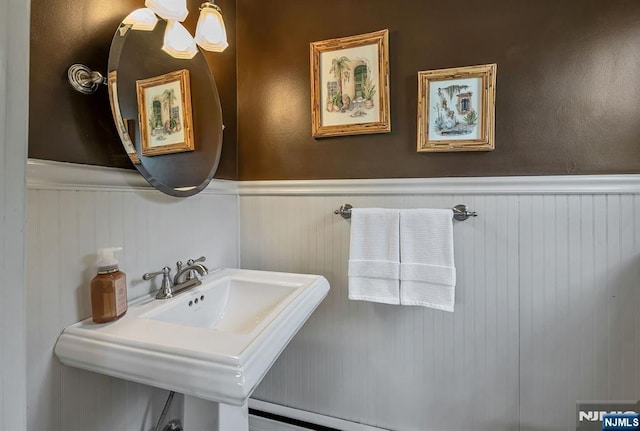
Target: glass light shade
210, 32
178, 42
141, 19
175, 10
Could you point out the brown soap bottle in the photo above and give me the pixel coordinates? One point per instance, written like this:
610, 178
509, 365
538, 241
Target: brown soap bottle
108, 288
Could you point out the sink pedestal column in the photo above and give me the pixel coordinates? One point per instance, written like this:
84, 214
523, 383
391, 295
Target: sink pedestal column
203, 415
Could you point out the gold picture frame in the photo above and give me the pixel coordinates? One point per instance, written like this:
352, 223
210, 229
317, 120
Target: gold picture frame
456, 109
166, 127
350, 85
121, 125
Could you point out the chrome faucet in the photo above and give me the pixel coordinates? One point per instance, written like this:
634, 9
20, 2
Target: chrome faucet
193, 271
187, 277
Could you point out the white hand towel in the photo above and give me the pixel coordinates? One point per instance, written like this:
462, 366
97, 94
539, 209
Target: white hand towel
374, 258
427, 271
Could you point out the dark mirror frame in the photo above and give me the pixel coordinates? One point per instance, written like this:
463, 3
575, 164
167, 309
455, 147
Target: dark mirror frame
137, 55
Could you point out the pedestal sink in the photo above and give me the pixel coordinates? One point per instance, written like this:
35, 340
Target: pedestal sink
214, 342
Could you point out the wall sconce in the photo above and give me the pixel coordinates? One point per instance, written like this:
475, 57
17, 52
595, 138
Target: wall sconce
171, 10
141, 19
211, 35
178, 43
210, 31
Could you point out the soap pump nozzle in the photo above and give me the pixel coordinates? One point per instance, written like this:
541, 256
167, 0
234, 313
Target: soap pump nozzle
106, 262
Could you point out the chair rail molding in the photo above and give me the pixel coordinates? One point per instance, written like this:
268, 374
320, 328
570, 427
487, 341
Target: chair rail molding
530, 185
46, 174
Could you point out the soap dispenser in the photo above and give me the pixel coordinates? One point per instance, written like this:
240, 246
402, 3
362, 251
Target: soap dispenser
108, 288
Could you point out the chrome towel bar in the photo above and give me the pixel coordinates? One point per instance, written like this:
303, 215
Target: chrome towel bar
460, 212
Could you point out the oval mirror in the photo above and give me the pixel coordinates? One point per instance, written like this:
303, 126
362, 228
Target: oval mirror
167, 111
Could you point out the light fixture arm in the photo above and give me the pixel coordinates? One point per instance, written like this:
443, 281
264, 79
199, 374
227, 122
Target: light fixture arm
85, 80
210, 4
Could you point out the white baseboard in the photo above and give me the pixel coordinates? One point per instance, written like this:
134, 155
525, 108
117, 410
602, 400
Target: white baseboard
257, 423
301, 415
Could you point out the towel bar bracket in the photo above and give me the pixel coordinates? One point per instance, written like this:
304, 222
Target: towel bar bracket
460, 212
344, 211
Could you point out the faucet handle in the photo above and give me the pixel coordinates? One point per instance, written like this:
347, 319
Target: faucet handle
166, 288
198, 260
149, 275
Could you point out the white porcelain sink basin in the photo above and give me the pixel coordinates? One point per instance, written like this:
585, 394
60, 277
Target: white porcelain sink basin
238, 305
214, 342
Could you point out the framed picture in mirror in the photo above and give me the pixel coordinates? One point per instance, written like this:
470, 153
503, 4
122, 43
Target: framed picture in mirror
164, 107
121, 125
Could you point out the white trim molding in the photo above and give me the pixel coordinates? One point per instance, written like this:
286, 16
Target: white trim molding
560, 184
309, 417
46, 174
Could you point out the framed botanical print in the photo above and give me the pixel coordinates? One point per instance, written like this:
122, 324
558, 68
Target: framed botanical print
350, 85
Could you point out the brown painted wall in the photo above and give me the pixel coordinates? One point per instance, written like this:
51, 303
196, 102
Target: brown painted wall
567, 92
67, 126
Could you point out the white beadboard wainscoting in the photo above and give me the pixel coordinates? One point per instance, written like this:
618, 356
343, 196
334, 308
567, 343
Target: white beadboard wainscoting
66, 223
546, 301
546, 304
14, 95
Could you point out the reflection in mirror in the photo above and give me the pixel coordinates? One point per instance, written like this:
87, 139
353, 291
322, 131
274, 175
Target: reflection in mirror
167, 111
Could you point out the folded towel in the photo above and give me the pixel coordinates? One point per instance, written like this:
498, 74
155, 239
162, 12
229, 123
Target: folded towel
374, 257
427, 271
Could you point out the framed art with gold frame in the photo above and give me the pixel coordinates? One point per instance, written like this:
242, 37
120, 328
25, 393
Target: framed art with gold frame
164, 107
456, 109
350, 85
